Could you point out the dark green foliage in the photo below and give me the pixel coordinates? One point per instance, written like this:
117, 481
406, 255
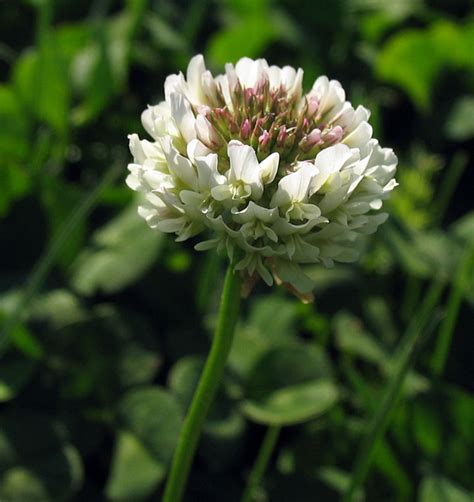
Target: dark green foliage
105, 324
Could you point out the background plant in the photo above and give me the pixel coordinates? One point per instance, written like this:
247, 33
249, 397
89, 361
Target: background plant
105, 324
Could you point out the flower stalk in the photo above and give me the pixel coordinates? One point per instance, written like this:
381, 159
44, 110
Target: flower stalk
261, 462
208, 384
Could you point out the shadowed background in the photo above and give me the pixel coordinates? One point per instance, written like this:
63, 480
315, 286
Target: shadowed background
105, 323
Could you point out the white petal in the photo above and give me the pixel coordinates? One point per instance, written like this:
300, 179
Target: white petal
360, 136
196, 68
221, 192
269, 167
254, 212
243, 163
329, 161
196, 149
333, 199
250, 72
183, 116
179, 165
136, 148
208, 175
294, 187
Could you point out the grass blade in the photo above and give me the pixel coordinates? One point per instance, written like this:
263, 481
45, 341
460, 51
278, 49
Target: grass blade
43, 266
405, 359
443, 342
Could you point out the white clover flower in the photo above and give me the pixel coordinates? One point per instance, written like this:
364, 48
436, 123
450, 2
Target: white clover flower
273, 177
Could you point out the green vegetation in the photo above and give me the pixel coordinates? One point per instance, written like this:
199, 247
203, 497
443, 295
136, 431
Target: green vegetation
366, 394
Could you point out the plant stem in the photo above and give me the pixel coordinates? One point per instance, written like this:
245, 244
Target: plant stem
207, 387
261, 462
404, 360
446, 330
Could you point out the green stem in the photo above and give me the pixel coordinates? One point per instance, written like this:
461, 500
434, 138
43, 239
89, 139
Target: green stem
404, 360
261, 462
210, 379
446, 330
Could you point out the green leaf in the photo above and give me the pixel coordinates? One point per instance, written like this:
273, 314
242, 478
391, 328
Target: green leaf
289, 385
403, 60
14, 147
427, 428
272, 321
184, 377
463, 228
134, 474
154, 416
424, 254
60, 200
122, 251
100, 70
247, 37
58, 308
43, 85
435, 488
352, 339
36, 462
460, 124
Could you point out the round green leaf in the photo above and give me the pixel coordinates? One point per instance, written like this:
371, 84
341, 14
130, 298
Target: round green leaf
154, 416
135, 474
184, 377
36, 462
435, 488
122, 251
289, 385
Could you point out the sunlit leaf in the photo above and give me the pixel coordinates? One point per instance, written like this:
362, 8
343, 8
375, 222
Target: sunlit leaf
14, 178
43, 85
154, 416
134, 474
247, 37
413, 58
122, 251
460, 125
289, 385
260, 332
438, 489
183, 379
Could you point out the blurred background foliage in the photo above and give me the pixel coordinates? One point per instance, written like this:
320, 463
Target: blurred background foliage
105, 324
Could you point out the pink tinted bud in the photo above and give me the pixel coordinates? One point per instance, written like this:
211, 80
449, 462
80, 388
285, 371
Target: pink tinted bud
264, 138
314, 137
248, 93
246, 129
334, 135
258, 127
203, 109
305, 123
206, 133
262, 83
221, 113
313, 105
281, 136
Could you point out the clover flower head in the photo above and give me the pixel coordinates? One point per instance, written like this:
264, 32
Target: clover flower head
271, 176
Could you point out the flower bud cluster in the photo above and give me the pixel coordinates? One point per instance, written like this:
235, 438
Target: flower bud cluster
276, 178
